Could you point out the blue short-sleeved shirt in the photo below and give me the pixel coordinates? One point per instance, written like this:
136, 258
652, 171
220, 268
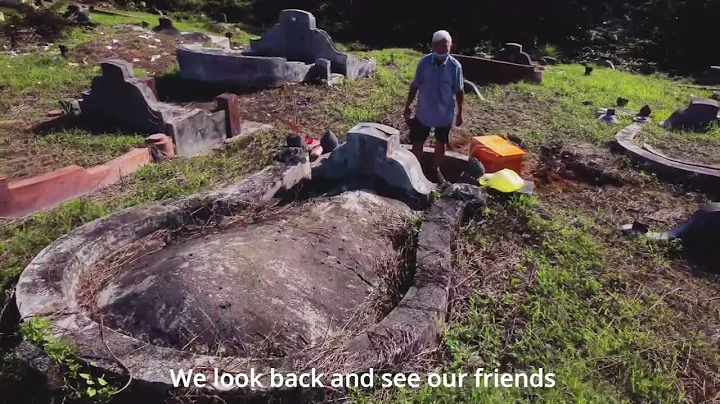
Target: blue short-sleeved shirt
438, 84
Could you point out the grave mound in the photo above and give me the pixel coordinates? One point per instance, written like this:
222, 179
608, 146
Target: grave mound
296, 277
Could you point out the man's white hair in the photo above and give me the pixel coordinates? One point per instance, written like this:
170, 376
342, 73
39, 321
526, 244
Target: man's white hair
441, 35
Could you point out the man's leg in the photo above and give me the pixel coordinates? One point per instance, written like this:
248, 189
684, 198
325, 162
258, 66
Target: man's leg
442, 137
418, 135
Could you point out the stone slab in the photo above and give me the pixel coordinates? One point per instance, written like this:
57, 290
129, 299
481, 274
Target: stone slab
196, 130
274, 277
233, 67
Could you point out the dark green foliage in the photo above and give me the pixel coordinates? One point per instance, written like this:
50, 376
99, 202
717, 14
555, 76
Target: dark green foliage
670, 33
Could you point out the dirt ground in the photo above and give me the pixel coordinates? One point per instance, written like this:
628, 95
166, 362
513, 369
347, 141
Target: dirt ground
153, 53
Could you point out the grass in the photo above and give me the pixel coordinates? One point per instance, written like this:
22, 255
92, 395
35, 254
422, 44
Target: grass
548, 293
137, 17
396, 68
565, 87
34, 83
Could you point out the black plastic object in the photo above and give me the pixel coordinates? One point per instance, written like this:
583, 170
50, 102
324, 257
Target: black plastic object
294, 140
476, 168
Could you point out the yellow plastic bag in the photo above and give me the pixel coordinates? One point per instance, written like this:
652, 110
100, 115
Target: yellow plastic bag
505, 180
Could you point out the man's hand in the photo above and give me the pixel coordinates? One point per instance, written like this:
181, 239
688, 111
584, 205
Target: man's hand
459, 120
407, 113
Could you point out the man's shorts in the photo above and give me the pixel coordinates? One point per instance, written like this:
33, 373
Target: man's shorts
419, 133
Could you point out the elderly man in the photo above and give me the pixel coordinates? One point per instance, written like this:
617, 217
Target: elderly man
439, 80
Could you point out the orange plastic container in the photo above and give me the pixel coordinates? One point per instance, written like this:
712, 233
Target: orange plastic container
496, 153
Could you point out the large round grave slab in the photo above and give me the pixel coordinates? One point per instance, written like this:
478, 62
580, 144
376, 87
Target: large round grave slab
289, 281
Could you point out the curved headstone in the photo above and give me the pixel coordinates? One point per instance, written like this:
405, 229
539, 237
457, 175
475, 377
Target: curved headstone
373, 150
699, 114
297, 38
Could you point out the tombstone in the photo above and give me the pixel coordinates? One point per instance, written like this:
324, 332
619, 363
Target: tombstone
512, 53
322, 70
118, 98
165, 26
588, 70
698, 115
223, 18
63, 50
297, 38
329, 141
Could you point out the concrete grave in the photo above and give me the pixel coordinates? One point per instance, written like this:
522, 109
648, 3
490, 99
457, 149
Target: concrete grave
484, 71
119, 100
241, 278
293, 51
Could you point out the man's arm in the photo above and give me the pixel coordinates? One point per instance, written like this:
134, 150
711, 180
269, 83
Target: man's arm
414, 86
411, 95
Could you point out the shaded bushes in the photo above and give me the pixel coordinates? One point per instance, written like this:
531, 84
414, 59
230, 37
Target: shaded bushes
669, 32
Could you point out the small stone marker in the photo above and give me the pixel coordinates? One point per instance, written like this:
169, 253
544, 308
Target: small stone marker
165, 26
547, 60
645, 111
329, 141
512, 53
588, 70
621, 102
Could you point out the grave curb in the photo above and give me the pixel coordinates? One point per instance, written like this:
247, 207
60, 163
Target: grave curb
704, 177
